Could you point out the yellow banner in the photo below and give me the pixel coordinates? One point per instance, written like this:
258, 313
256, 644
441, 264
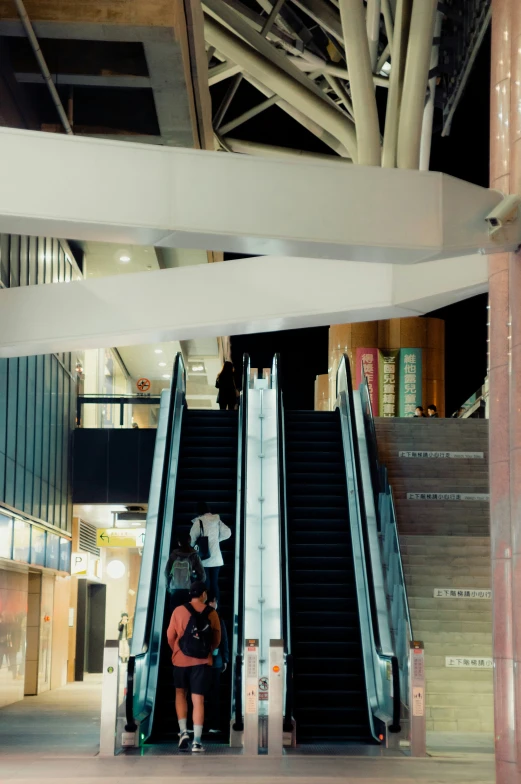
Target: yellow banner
120, 537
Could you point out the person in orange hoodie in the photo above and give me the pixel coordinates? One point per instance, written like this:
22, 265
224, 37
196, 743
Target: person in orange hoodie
193, 633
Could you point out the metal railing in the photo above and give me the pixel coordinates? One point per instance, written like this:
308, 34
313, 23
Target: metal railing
238, 626
114, 400
284, 550
143, 668
396, 590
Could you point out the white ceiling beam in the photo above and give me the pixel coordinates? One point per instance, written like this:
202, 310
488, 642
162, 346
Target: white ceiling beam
236, 297
165, 196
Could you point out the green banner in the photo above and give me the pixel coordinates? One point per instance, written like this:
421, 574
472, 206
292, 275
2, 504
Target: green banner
410, 374
387, 378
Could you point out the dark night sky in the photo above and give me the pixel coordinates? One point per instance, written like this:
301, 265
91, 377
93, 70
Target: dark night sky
463, 154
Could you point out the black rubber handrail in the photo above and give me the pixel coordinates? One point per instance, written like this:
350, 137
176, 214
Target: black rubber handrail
243, 429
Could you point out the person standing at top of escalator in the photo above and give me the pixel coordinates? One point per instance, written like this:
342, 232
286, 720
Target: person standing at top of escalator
228, 396
208, 531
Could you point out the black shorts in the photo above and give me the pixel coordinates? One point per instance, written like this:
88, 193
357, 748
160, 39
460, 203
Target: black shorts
197, 679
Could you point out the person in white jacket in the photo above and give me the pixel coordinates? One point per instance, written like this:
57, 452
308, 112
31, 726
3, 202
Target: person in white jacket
210, 525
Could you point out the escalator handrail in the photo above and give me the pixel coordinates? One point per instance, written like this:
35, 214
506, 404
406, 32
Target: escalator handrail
284, 549
382, 486
239, 608
150, 582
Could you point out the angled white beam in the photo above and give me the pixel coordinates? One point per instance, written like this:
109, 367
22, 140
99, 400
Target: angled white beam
234, 297
148, 195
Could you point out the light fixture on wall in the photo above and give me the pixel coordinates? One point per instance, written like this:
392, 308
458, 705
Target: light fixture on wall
115, 569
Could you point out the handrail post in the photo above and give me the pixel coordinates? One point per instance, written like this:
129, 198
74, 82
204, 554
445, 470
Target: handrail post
417, 711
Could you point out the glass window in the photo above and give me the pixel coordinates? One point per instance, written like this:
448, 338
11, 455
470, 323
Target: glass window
52, 437
52, 559
37, 490
15, 260
2, 474
38, 415
37, 546
4, 259
46, 415
59, 450
21, 411
21, 541
65, 555
10, 479
4, 364
12, 403
67, 274
6, 536
24, 261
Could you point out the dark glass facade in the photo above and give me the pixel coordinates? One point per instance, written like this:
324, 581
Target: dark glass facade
37, 396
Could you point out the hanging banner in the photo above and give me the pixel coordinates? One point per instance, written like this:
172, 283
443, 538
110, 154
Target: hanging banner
387, 377
367, 360
410, 374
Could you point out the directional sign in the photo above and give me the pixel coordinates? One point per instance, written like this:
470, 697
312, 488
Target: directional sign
120, 537
143, 384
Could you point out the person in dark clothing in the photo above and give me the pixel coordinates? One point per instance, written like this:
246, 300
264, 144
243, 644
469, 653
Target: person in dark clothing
221, 659
419, 412
432, 412
225, 383
182, 568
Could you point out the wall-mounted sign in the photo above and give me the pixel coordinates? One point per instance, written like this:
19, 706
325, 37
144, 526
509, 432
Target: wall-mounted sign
470, 662
120, 537
452, 455
143, 384
448, 496
462, 593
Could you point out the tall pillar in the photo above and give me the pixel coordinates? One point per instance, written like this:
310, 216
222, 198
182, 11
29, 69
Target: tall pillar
505, 396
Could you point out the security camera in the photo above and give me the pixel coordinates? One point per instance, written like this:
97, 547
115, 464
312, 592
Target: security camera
503, 213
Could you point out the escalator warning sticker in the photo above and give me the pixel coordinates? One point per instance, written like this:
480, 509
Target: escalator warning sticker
418, 701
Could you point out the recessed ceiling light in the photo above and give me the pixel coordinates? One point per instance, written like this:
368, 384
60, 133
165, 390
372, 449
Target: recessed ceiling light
197, 368
124, 259
166, 375
162, 364
158, 351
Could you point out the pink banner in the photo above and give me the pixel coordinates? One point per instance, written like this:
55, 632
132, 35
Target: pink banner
367, 359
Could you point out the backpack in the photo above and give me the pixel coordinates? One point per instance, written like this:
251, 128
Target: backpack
196, 641
180, 578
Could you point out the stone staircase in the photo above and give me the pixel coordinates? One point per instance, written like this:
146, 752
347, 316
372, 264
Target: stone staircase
445, 545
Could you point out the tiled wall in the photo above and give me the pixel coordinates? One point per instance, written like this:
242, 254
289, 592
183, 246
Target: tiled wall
13, 624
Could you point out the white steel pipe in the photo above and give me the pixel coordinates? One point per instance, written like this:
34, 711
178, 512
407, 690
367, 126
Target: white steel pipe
428, 113
270, 151
336, 123
399, 54
373, 30
361, 82
415, 83
26, 22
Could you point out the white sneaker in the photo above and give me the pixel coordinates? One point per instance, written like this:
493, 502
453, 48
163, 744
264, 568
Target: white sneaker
197, 748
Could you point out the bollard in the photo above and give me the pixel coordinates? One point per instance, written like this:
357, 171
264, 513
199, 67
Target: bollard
109, 698
276, 699
251, 706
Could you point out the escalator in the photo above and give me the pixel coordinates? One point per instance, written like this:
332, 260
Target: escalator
207, 471
199, 456
330, 699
